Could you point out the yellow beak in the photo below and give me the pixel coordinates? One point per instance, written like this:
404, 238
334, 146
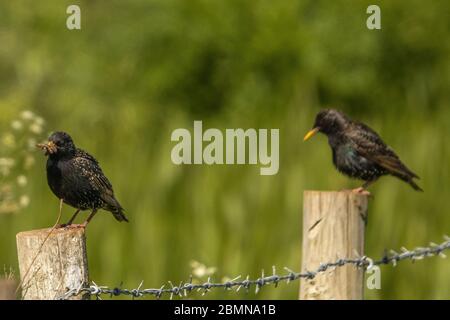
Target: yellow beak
310, 133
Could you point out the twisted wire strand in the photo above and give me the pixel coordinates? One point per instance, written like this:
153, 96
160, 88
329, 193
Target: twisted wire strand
186, 288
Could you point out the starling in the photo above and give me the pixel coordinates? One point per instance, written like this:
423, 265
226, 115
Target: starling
358, 151
76, 178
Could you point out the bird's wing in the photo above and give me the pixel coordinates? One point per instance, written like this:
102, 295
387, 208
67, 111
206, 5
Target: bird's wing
83, 154
92, 171
369, 144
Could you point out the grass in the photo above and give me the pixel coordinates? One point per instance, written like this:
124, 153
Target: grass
130, 77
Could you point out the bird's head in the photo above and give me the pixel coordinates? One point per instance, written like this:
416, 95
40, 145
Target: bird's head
328, 121
59, 144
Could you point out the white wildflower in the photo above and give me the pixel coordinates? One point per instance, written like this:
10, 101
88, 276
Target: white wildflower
27, 115
17, 125
199, 270
22, 180
8, 140
31, 143
36, 128
24, 201
5, 166
7, 162
28, 162
39, 121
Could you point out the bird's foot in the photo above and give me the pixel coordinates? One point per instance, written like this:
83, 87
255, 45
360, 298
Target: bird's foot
70, 226
362, 191
84, 225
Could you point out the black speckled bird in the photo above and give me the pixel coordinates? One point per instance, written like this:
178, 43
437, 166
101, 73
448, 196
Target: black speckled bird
76, 178
358, 151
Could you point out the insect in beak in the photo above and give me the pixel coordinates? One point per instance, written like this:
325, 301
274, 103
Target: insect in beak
49, 147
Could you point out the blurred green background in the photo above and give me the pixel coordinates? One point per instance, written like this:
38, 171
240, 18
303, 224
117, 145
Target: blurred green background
140, 69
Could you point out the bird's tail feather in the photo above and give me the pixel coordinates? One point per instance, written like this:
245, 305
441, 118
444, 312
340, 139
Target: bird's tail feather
115, 208
408, 179
414, 185
119, 215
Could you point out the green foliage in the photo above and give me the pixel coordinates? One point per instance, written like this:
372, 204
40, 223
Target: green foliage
139, 69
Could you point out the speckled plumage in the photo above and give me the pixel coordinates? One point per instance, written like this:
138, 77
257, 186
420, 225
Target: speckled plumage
358, 151
76, 177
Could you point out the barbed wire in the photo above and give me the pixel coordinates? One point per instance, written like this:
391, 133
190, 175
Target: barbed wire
186, 288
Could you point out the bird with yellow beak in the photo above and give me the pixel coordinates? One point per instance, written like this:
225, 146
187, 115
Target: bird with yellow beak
358, 151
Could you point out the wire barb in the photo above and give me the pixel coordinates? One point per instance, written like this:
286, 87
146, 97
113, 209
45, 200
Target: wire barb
184, 289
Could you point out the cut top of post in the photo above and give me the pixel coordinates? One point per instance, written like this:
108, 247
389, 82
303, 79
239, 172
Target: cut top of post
51, 261
333, 228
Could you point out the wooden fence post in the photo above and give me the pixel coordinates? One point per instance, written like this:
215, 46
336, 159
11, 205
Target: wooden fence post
58, 264
333, 227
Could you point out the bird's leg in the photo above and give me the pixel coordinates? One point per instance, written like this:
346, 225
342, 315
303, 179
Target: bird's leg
363, 189
368, 183
71, 219
84, 224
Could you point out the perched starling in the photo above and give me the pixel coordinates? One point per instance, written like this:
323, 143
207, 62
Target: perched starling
358, 151
76, 178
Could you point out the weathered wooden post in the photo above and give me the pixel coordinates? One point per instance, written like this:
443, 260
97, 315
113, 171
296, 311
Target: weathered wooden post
333, 227
8, 289
48, 268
